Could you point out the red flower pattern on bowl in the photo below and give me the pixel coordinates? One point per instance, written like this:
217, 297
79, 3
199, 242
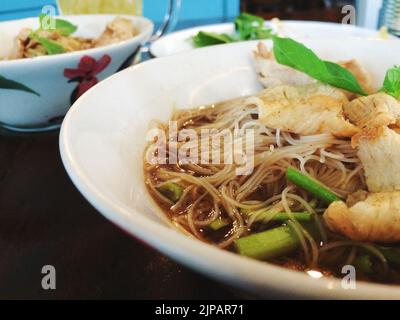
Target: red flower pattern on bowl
86, 73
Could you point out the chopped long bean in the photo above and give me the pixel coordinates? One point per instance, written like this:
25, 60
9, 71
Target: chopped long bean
311, 185
364, 264
268, 244
266, 216
272, 243
218, 224
171, 190
392, 255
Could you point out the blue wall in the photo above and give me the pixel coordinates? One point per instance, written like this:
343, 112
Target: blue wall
15, 9
192, 10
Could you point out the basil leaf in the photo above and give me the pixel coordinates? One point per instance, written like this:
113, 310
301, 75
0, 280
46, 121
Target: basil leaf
250, 18
51, 46
342, 78
261, 34
204, 39
14, 85
247, 26
391, 85
63, 27
250, 27
297, 56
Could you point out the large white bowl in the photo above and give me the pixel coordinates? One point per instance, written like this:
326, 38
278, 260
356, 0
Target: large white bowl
181, 41
25, 111
102, 143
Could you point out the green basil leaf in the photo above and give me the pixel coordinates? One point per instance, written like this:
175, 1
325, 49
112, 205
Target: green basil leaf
262, 34
297, 56
293, 54
342, 78
391, 85
204, 39
51, 46
245, 22
64, 27
14, 85
250, 27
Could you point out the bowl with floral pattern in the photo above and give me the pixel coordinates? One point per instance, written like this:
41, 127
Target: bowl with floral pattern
37, 90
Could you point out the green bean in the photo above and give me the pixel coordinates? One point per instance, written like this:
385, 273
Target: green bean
218, 224
364, 264
311, 185
171, 190
268, 244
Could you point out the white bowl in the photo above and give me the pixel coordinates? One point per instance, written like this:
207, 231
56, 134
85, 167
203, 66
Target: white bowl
102, 144
181, 41
21, 110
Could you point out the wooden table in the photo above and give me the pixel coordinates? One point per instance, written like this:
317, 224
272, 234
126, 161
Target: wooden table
45, 221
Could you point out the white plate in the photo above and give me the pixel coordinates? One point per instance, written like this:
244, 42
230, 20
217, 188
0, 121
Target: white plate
181, 41
103, 138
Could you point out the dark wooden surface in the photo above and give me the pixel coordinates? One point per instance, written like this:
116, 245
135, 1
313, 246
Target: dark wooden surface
45, 221
297, 9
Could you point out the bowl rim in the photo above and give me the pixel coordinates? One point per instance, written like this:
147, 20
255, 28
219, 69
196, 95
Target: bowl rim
157, 46
145, 33
243, 272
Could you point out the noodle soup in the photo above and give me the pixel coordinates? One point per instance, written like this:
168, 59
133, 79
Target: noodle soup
306, 199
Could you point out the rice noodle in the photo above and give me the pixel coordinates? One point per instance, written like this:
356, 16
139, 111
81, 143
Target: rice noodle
369, 247
215, 191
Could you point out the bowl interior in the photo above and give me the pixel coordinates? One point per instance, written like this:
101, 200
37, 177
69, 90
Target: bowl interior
103, 139
89, 26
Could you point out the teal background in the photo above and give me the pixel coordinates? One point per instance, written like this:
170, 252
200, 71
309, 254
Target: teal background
193, 11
